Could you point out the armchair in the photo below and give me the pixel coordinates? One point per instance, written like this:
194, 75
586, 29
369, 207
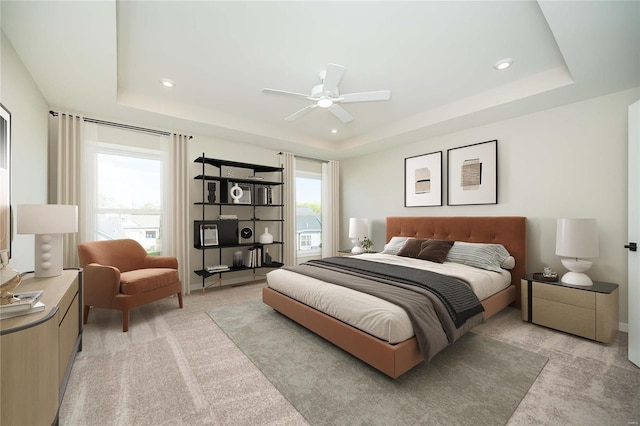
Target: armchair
119, 274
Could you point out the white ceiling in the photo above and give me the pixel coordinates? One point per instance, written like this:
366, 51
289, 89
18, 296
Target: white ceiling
104, 59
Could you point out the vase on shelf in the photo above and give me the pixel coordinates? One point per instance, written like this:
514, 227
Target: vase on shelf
236, 193
266, 238
237, 259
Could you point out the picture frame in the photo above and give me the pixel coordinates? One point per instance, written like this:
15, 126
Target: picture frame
473, 174
246, 193
423, 180
5, 180
208, 234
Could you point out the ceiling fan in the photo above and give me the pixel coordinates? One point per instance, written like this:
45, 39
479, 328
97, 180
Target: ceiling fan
326, 95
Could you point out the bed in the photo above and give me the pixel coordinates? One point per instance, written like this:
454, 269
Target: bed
396, 358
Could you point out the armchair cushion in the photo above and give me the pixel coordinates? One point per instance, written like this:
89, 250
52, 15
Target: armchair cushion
142, 280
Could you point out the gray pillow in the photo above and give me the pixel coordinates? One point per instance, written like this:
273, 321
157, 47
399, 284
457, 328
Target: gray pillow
478, 255
394, 245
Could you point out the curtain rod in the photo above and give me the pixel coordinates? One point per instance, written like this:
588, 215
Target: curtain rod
119, 125
306, 158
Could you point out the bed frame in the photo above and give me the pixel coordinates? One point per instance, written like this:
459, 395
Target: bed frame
396, 359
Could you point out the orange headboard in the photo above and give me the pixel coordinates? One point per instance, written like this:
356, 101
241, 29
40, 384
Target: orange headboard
510, 231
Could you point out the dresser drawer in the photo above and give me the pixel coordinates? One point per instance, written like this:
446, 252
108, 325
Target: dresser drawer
566, 295
561, 316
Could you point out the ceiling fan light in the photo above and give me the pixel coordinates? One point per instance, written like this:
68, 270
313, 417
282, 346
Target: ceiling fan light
325, 103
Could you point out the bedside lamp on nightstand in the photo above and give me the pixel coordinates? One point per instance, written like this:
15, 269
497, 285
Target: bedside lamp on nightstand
358, 229
577, 239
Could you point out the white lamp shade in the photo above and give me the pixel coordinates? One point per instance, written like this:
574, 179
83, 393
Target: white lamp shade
577, 238
40, 219
358, 228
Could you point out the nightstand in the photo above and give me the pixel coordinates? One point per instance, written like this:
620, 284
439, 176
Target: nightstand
346, 253
590, 312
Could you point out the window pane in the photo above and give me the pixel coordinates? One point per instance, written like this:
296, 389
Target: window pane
309, 213
128, 182
144, 228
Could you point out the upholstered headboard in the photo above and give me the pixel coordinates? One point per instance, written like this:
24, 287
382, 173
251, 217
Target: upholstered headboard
510, 231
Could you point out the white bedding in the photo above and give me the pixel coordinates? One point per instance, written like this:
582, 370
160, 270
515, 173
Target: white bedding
368, 313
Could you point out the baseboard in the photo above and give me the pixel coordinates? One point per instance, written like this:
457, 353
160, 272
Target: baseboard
623, 326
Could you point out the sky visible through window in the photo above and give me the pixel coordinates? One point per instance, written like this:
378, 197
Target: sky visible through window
308, 190
129, 182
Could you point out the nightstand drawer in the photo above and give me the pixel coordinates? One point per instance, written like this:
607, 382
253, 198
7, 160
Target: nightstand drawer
566, 295
561, 316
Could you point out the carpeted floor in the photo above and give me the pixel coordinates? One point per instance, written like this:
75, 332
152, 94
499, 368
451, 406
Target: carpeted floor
477, 381
177, 367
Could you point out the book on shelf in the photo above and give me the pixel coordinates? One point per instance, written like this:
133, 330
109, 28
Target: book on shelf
22, 301
217, 268
37, 307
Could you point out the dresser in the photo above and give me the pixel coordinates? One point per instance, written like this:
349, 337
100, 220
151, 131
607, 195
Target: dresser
37, 351
590, 312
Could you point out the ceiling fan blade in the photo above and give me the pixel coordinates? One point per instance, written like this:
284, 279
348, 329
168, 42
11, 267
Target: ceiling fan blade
381, 95
339, 112
332, 79
284, 92
300, 113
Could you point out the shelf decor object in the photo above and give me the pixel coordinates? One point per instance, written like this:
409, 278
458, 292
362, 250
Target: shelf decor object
266, 238
423, 180
577, 239
358, 230
473, 174
47, 222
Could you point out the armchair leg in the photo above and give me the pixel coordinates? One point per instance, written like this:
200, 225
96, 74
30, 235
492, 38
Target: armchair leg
85, 314
180, 299
125, 320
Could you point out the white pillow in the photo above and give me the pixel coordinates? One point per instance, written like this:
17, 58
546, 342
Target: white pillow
394, 245
478, 255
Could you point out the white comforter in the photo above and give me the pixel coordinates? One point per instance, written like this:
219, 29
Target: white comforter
368, 313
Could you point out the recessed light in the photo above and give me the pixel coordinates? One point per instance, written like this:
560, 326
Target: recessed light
334, 131
503, 64
167, 82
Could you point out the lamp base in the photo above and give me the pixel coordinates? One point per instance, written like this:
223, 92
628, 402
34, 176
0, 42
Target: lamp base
357, 250
577, 278
48, 255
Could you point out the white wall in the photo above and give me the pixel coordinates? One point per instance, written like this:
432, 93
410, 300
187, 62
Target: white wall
29, 133
569, 161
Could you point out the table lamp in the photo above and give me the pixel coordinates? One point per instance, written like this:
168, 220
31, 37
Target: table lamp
47, 222
358, 229
577, 239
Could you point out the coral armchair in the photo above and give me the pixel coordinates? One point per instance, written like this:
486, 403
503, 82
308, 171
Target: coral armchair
119, 274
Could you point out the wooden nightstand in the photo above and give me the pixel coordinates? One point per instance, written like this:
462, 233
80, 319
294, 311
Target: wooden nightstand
346, 253
590, 312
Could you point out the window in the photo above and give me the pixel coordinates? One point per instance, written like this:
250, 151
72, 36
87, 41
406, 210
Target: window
309, 213
129, 193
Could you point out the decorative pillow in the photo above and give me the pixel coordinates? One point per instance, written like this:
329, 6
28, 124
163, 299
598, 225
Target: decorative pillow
394, 245
435, 250
478, 255
508, 263
411, 247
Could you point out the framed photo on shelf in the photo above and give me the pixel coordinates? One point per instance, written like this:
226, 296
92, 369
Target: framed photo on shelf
473, 174
423, 180
246, 193
208, 234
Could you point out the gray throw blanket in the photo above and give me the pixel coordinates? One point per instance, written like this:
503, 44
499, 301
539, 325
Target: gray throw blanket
441, 308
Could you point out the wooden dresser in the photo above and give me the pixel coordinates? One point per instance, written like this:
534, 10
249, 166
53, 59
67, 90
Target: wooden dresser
37, 351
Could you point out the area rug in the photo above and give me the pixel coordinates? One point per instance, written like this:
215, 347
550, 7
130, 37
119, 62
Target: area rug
477, 380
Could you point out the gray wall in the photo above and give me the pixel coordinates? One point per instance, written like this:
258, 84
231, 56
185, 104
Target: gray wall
569, 161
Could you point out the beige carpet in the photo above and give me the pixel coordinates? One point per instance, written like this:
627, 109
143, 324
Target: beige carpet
175, 367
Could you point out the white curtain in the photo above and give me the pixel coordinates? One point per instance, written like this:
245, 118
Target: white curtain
177, 208
289, 201
65, 164
330, 208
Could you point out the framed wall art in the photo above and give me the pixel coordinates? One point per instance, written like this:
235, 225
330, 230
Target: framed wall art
423, 180
5, 180
473, 174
